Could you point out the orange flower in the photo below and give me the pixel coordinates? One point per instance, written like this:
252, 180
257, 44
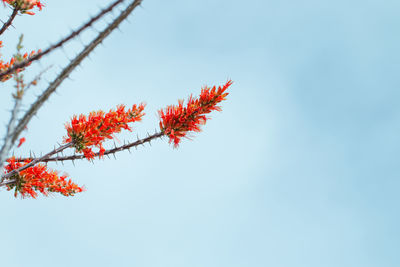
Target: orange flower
39, 178
176, 121
86, 132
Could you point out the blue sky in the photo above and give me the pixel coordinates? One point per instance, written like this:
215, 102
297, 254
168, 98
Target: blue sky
299, 169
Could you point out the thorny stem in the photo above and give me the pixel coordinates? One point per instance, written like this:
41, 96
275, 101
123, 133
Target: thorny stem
9, 21
35, 161
107, 152
71, 66
47, 157
61, 42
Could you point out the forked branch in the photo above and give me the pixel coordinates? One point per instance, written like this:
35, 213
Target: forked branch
71, 66
72, 35
35, 161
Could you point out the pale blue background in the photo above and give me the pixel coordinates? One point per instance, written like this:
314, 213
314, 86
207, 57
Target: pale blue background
300, 169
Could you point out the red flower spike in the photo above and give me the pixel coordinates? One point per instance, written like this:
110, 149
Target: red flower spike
87, 132
177, 121
39, 179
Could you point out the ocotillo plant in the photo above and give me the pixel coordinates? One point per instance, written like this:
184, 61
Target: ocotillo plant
85, 134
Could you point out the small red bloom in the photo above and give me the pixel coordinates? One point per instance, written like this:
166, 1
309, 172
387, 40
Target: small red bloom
21, 141
86, 132
39, 178
176, 121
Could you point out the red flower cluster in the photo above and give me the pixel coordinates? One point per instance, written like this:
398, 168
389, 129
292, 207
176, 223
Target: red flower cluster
176, 121
39, 178
86, 132
6, 65
25, 5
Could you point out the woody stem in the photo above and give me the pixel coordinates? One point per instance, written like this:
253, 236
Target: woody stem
107, 152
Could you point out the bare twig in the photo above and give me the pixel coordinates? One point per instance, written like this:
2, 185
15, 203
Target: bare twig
8, 141
9, 21
37, 78
71, 66
61, 42
5, 149
20, 86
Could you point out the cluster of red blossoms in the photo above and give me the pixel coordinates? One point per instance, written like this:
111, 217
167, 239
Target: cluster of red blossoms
6, 65
25, 5
39, 178
86, 132
176, 121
